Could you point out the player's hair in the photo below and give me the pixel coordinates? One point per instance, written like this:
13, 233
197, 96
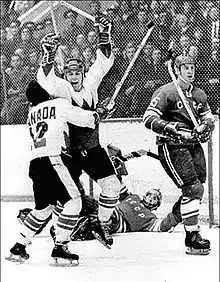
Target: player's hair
35, 93
152, 199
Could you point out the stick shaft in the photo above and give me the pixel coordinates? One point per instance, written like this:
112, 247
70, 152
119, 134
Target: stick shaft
131, 63
82, 13
56, 31
182, 97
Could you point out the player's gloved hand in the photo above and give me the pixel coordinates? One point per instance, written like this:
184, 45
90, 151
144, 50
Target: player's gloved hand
104, 26
176, 131
204, 131
104, 110
49, 45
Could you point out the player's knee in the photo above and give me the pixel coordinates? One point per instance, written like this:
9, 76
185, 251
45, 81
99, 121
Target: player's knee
110, 185
73, 206
193, 191
42, 214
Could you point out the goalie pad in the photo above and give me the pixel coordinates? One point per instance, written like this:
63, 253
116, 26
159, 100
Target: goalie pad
49, 46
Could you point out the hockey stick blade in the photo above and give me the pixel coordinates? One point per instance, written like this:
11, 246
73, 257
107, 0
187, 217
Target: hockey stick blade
98, 237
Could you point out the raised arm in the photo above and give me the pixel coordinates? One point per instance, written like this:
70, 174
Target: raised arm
46, 76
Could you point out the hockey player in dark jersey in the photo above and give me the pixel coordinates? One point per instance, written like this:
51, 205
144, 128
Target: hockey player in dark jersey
179, 148
80, 89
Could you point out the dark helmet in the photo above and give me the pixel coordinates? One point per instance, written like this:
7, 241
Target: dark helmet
184, 59
35, 93
152, 199
73, 64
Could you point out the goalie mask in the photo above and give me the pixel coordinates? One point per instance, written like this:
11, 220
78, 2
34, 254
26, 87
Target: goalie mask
74, 72
152, 199
185, 68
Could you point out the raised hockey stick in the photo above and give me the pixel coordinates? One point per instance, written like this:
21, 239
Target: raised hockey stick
179, 90
150, 27
56, 31
82, 13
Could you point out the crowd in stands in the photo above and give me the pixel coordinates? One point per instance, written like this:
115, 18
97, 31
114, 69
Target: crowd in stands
192, 26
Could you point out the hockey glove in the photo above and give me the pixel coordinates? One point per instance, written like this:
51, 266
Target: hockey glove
176, 131
104, 29
104, 110
204, 131
49, 45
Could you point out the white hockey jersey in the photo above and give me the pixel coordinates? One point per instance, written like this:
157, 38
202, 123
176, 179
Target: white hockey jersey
59, 87
48, 126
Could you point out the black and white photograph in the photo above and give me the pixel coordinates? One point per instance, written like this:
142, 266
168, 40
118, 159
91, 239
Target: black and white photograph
109, 141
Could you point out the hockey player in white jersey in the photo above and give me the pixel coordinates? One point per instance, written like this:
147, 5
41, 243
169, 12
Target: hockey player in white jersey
81, 90
49, 170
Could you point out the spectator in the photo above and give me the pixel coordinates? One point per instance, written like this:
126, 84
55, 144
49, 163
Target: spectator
72, 29
20, 7
33, 66
27, 41
154, 12
213, 81
213, 25
4, 81
13, 37
39, 32
203, 44
88, 58
182, 28
81, 42
75, 52
182, 47
5, 47
48, 26
15, 108
139, 29
124, 25
201, 66
92, 41
30, 25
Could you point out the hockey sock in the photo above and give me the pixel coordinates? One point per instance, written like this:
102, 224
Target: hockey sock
190, 213
67, 219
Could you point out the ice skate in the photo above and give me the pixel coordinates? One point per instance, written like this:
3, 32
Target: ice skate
62, 256
196, 245
101, 233
18, 254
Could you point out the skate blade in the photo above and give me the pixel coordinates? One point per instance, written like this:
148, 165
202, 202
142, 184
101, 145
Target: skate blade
59, 262
197, 252
17, 259
98, 237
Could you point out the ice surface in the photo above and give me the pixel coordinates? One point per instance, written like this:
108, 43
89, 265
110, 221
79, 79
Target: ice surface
134, 257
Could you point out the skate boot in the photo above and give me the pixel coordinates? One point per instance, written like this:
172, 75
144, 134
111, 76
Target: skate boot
18, 253
195, 244
62, 256
101, 233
